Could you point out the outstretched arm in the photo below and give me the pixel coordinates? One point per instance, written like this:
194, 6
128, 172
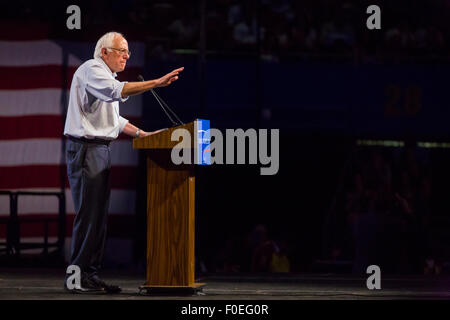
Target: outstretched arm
138, 87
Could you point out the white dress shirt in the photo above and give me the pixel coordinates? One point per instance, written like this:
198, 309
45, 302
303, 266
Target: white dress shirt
93, 110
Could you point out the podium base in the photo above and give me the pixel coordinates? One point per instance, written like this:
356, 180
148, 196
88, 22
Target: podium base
154, 290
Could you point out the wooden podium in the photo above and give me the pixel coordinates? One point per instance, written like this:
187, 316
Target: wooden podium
170, 213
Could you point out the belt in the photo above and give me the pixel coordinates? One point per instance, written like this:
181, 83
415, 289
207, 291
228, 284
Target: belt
86, 140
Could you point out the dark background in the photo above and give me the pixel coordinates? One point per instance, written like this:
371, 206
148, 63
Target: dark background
313, 70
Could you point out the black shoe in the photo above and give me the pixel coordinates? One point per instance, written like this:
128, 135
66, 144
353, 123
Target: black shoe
87, 285
109, 288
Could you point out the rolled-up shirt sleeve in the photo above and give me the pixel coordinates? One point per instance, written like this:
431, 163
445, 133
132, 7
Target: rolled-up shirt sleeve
103, 86
122, 123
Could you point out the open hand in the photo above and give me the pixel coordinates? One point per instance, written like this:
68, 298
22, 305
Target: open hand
169, 78
145, 133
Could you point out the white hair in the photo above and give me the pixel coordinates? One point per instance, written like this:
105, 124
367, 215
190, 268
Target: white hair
104, 42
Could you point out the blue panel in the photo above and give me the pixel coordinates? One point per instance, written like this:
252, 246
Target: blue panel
203, 142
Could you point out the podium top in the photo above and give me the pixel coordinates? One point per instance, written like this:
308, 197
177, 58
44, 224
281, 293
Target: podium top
162, 140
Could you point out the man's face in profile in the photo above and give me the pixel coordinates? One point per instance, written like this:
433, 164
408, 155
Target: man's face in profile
116, 59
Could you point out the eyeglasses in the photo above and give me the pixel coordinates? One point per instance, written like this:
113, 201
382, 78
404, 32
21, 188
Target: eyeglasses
122, 51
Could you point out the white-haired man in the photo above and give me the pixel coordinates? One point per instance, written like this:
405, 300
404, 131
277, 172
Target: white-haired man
92, 122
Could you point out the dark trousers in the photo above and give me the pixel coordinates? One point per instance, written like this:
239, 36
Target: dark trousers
88, 170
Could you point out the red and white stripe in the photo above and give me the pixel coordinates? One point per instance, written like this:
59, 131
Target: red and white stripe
31, 128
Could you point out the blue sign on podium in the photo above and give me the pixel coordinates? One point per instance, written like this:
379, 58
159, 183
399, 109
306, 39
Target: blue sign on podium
202, 142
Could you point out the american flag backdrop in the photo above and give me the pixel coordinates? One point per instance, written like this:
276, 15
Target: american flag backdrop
35, 78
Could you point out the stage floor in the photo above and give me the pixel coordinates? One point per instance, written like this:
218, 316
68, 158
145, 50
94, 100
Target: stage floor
48, 284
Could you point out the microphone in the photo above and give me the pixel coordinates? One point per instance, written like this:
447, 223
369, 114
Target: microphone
163, 105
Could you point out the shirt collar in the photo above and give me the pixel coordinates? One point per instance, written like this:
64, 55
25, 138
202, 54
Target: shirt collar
106, 66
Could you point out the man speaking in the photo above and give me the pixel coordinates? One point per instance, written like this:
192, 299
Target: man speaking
92, 122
